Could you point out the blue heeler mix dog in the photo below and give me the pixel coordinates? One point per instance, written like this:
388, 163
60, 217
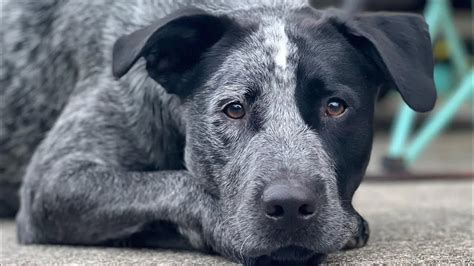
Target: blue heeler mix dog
238, 127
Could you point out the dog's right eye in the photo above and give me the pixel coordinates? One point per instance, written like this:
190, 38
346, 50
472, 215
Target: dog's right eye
235, 110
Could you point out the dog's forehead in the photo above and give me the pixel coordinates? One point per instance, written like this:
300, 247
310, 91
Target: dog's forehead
256, 56
266, 58
270, 36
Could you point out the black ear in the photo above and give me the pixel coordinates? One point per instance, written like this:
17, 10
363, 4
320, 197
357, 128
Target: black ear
172, 46
401, 46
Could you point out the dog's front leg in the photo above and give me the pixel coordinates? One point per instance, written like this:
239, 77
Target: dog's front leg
90, 204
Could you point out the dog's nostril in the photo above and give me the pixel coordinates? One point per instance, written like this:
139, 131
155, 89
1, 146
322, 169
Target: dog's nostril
275, 211
306, 210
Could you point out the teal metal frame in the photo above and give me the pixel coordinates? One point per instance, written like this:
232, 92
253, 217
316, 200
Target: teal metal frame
401, 154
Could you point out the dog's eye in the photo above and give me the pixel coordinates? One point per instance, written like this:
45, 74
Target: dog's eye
235, 110
335, 107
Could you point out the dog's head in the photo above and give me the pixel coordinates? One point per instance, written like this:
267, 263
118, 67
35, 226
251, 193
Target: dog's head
279, 110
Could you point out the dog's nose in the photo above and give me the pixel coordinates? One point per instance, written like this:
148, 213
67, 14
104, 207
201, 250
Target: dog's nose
288, 205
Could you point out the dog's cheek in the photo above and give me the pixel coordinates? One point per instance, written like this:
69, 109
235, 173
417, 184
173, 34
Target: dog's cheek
198, 157
351, 154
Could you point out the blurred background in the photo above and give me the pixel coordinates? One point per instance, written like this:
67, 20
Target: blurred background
438, 144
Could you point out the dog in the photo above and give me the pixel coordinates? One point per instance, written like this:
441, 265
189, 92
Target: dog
241, 128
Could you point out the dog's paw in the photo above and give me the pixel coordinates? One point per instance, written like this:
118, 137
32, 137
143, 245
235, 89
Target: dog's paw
359, 240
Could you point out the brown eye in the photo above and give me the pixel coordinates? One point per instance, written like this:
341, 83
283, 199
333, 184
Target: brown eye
335, 108
234, 110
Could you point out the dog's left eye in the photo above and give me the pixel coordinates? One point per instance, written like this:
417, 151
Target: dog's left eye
335, 107
235, 110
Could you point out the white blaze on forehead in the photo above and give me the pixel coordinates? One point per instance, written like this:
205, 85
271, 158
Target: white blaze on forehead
279, 93
282, 46
276, 38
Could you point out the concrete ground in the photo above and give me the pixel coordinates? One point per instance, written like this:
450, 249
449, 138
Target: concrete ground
411, 222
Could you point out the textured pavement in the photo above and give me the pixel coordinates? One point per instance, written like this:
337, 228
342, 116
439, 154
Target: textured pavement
411, 222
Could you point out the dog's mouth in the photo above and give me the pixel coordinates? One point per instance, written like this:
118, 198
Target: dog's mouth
291, 255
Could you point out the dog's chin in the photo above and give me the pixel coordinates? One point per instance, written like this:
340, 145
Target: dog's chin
291, 255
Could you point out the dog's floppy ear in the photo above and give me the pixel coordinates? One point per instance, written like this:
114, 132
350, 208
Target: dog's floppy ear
401, 46
172, 46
